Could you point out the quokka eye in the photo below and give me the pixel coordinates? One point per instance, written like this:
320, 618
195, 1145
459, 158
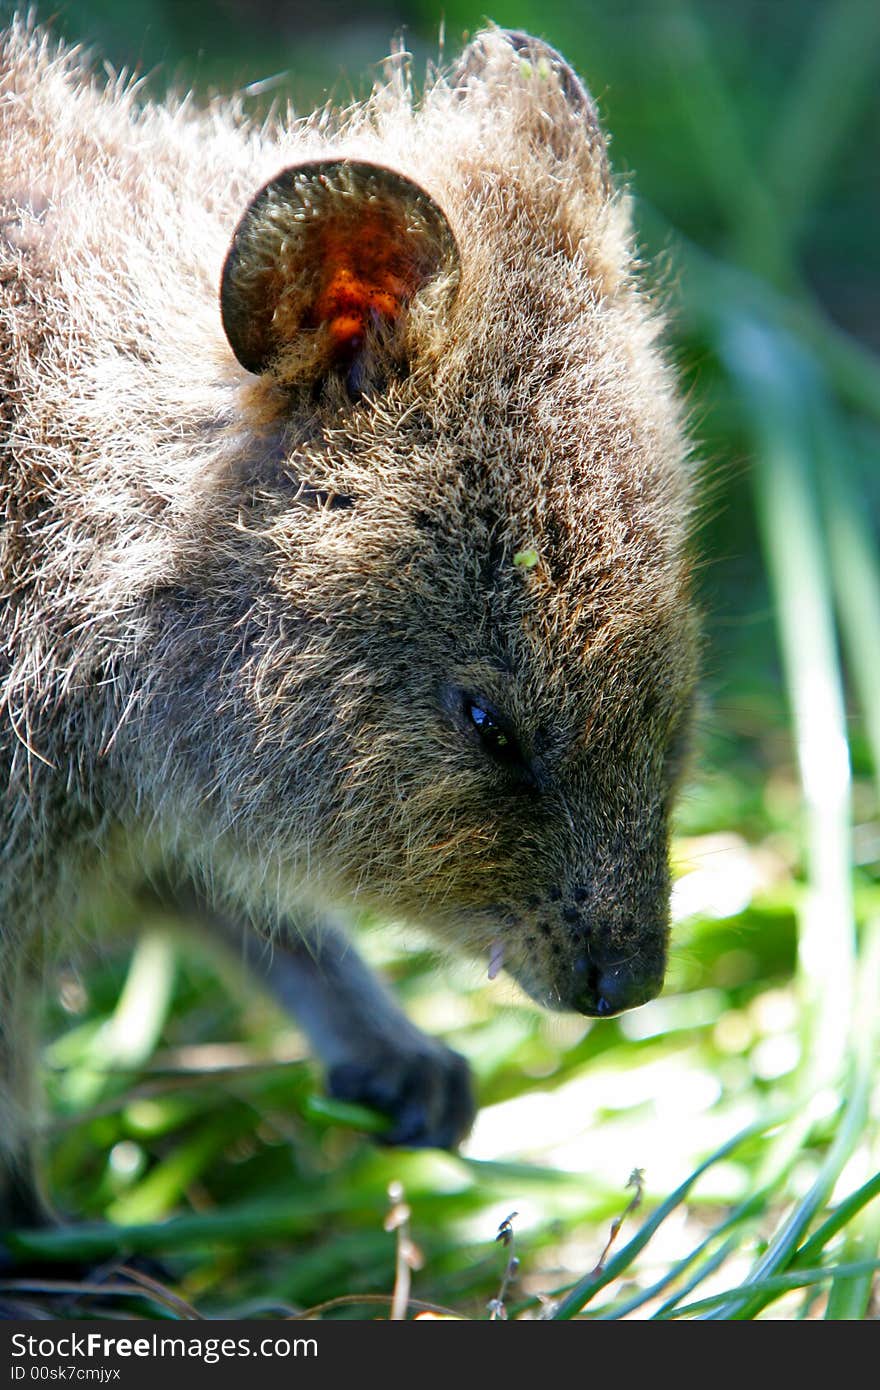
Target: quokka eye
495, 737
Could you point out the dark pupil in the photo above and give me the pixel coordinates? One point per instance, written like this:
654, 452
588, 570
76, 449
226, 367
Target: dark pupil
489, 730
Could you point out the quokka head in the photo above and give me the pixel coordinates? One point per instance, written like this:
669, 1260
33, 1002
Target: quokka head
470, 680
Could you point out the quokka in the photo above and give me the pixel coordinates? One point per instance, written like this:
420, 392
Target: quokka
345, 559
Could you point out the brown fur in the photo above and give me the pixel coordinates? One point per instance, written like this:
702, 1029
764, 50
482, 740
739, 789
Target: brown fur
210, 673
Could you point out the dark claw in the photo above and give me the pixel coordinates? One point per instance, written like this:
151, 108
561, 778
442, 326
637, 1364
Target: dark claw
427, 1095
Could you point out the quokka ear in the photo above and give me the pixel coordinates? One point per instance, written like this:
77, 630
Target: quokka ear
325, 266
508, 60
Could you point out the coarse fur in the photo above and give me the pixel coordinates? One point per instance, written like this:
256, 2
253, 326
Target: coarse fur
247, 619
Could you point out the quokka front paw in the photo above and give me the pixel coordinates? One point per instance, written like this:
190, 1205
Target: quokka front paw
427, 1094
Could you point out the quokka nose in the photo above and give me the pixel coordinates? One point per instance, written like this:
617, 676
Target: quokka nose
602, 989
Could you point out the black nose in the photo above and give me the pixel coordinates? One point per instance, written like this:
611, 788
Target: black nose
602, 989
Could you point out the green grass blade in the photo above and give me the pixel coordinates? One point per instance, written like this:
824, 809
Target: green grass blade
836, 76
722, 150
856, 571
585, 1289
775, 380
773, 1285
839, 1218
129, 1037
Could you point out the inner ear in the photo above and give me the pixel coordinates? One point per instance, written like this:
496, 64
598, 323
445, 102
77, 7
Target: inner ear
326, 262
